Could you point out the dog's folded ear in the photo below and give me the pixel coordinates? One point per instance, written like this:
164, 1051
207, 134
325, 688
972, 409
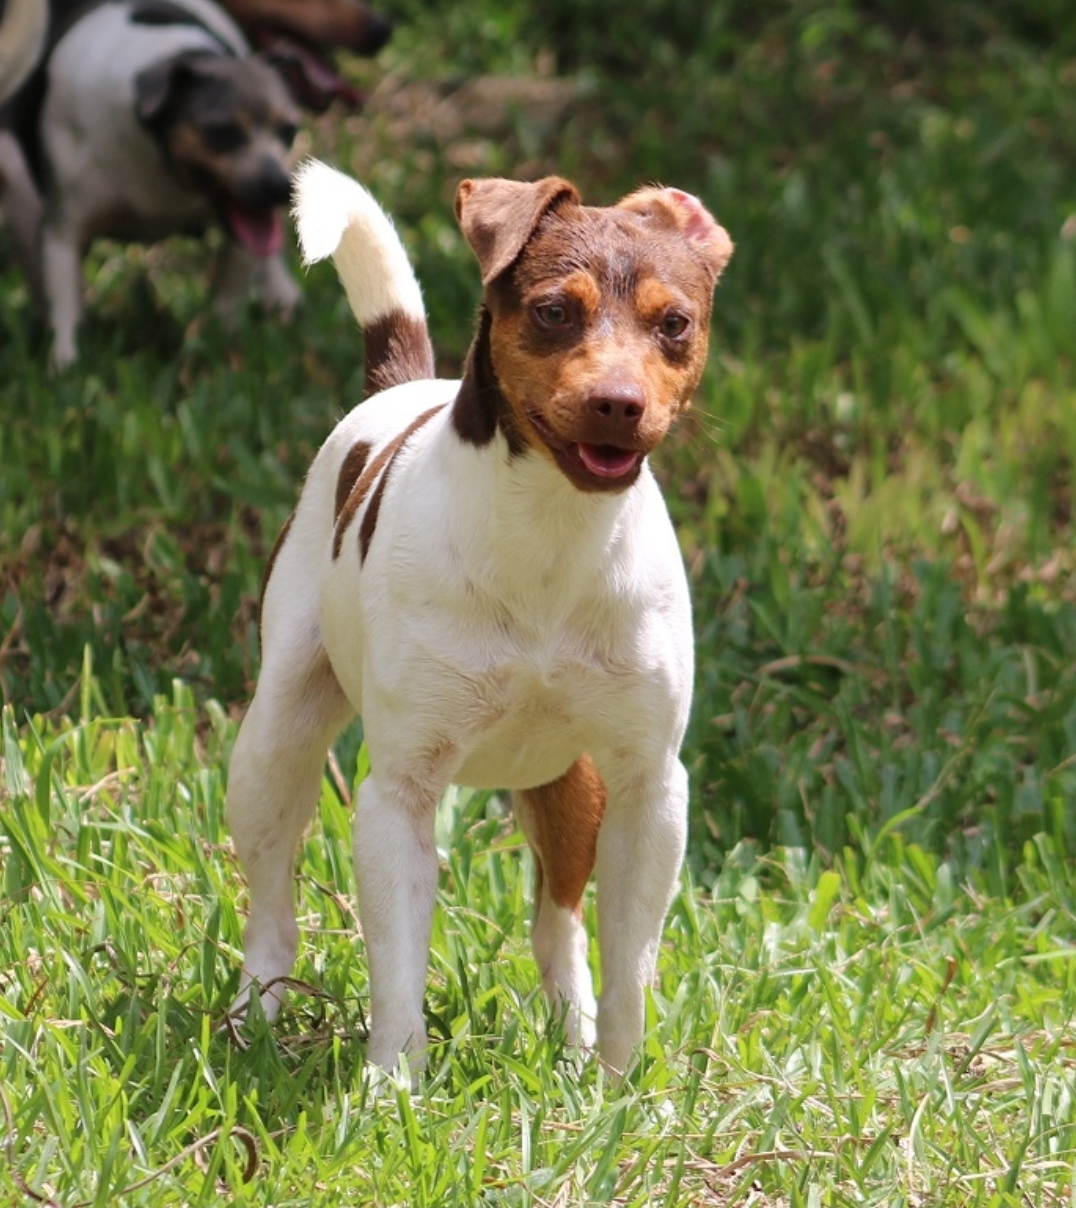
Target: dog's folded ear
158, 84
685, 213
498, 216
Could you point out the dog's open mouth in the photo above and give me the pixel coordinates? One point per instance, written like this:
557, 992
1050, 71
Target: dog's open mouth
594, 467
607, 461
260, 231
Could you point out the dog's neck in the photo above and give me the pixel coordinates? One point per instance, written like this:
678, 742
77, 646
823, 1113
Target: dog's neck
511, 492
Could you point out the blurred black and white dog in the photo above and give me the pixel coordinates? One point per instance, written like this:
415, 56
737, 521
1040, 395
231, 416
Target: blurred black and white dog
150, 117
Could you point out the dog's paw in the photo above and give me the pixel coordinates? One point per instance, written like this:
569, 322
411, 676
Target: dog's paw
395, 1040
270, 999
580, 1026
62, 356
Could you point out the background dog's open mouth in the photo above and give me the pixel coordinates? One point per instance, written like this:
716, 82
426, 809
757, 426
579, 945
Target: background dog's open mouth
607, 461
260, 231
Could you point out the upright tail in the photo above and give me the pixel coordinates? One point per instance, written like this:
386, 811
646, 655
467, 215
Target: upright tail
23, 32
335, 216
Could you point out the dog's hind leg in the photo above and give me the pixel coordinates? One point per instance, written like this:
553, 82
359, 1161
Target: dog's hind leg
23, 210
274, 776
561, 821
274, 779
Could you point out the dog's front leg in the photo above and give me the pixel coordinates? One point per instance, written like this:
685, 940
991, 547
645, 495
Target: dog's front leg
640, 850
396, 876
61, 266
276, 287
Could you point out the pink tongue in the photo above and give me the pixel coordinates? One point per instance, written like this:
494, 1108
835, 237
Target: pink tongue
606, 461
259, 231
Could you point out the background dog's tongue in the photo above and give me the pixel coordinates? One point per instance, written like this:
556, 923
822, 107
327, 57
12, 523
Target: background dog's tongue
259, 231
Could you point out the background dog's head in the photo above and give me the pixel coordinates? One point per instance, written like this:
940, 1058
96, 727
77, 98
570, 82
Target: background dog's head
225, 126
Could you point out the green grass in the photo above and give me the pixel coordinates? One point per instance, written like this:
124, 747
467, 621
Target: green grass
869, 1034
867, 992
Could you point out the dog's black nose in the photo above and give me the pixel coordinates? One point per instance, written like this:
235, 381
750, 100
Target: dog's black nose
617, 405
269, 187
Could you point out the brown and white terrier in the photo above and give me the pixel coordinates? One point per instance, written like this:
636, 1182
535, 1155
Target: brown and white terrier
485, 571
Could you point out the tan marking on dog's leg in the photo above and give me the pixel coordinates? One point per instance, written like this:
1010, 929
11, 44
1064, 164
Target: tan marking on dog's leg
566, 815
561, 821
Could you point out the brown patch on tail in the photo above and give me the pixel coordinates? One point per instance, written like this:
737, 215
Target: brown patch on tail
398, 350
562, 820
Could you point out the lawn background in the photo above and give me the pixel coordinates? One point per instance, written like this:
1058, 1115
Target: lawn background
868, 989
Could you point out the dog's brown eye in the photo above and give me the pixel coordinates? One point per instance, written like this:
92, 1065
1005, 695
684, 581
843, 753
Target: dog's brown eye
552, 314
673, 325
286, 132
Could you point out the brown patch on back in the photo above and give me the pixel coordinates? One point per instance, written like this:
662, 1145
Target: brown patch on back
277, 546
353, 465
398, 350
367, 479
563, 819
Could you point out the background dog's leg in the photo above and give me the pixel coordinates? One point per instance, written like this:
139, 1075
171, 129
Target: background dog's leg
640, 850
561, 822
276, 287
61, 266
239, 275
273, 783
396, 874
22, 208
233, 281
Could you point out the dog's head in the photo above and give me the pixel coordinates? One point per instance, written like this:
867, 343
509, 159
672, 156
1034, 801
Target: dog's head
225, 126
298, 37
596, 319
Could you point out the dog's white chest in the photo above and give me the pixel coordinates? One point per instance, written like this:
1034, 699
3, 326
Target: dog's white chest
530, 717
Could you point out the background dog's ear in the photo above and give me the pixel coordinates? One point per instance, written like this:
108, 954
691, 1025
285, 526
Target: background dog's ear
156, 86
685, 213
499, 216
